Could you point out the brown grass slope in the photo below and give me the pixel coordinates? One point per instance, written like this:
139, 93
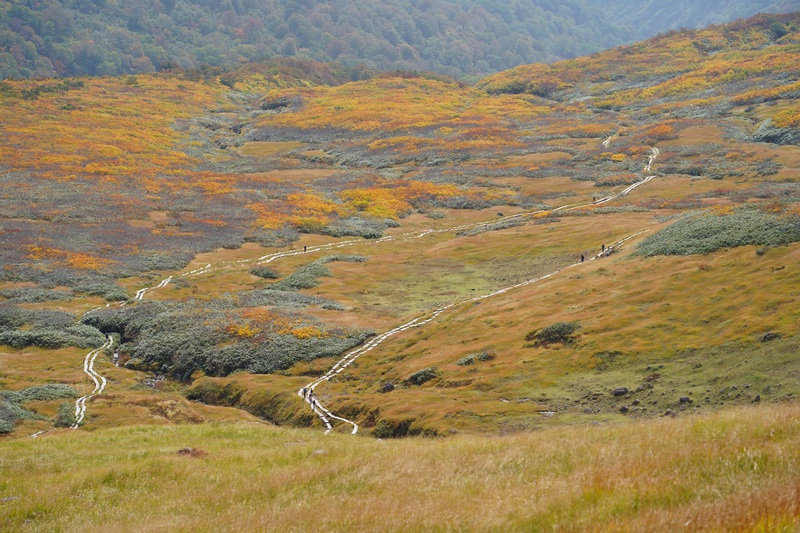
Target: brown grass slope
725, 471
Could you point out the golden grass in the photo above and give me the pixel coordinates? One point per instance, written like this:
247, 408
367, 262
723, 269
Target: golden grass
265, 149
734, 471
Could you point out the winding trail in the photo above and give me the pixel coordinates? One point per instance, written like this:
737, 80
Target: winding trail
307, 392
327, 417
99, 382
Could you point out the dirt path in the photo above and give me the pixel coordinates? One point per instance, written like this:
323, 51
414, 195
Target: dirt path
307, 392
327, 417
99, 382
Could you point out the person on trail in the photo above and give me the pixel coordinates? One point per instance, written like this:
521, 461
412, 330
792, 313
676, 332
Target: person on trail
582, 258
303, 392
603, 248
305, 248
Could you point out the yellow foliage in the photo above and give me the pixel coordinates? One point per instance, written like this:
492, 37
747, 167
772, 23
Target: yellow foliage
77, 260
308, 332
241, 330
789, 118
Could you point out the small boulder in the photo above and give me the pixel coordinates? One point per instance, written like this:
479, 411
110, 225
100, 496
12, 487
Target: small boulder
623, 409
685, 399
770, 336
620, 391
387, 387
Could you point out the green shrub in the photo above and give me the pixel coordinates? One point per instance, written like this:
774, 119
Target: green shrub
285, 300
308, 275
264, 272
472, 358
423, 376
34, 295
391, 429
558, 333
20, 328
496, 226
11, 409
66, 415
47, 392
708, 233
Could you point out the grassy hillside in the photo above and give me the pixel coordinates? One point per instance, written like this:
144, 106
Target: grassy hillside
731, 471
389, 198
579, 280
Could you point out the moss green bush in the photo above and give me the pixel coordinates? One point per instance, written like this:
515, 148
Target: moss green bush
557, 333
308, 275
264, 272
423, 376
708, 233
475, 357
11, 408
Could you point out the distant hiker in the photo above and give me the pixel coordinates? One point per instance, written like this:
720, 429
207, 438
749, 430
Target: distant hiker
582, 258
603, 248
305, 248
303, 392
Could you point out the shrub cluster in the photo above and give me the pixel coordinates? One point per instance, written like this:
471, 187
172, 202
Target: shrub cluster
264, 272
496, 226
20, 328
423, 376
180, 338
308, 275
285, 300
29, 295
707, 233
11, 409
557, 333
475, 357
369, 228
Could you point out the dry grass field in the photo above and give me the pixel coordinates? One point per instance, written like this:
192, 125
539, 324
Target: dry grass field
725, 471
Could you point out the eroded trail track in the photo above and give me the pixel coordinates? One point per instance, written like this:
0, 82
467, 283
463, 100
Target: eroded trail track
100, 382
307, 392
328, 418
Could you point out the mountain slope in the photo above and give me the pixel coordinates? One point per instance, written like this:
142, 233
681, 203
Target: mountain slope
45, 38
472, 38
650, 17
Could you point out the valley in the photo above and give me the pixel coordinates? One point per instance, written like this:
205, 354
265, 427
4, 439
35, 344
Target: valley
565, 297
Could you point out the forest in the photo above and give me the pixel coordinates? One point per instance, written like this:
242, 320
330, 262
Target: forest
48, 38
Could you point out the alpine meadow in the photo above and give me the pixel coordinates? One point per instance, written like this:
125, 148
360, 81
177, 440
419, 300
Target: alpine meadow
421, 266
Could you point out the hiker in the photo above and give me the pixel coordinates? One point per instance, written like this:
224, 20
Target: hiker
603, 248
305, 249
582, 258
303, 392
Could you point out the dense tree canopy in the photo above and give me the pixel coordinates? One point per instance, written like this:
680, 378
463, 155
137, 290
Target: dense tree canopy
45, 38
